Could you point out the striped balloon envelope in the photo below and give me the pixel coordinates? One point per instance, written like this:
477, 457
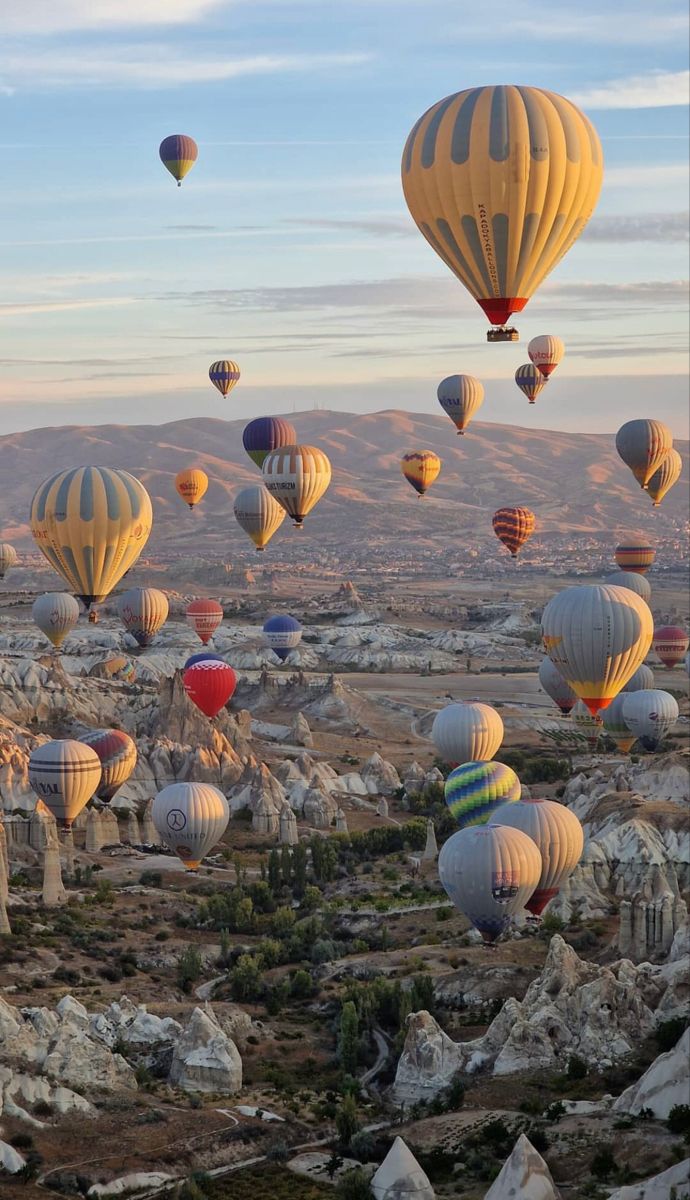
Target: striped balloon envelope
178, 153
55, 613
116, 667
224, 374
190, 818
143, 611
513, 526
460, 396
530, 381
642, 680
474, 789
501, 181
614, 724
258, 514
8, 558
665, 476
118, 756
643, 445
558, 836
264, 434
420, 468
635, 553
297, 477
64, 774
632, 580
209, 684
91, 523
489, 873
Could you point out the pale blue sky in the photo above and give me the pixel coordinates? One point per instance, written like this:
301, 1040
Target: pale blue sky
289, 247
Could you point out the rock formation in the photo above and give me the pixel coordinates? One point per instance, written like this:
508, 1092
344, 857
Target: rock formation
5, 926
413, 779
648, 922
380, 776
340, 821
265, 816
400, 1176
523, 1176
94, 832
53, 893
663, 1085
572, 1007
288, 835
205, 1059
659, 1187
133, 832
300, 733
382, 808
430, 849
149, 833
110, 827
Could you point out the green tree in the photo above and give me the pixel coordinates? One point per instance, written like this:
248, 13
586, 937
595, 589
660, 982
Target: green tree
282, 921
348, 1043
275, 875
346, 1120
302, 985
299, 868
354, 1185
246, 978
286, 865
188, 968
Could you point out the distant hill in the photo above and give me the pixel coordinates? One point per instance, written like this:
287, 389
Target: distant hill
574, 482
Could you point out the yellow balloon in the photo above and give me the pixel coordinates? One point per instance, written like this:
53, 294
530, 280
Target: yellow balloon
191, 485
91, 523
501, 181
420, 468
297, 477
258, 514
665, 477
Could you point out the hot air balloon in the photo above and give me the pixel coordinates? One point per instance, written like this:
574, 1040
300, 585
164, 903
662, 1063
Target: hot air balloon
556, 686
597, 636
55, 613
118, 758
190, 818
258, 514
191, 485
178, 153
265, 434
469, 732
209, 684
530, 381
202, 656
297, 477
420, 468
635, 554
642, 680
650, 716
665, 476
204, 616
590, 725
224, 374
513, 526
64, 775
115, 667
143, 611
631, 579
670, 644
615, 726
91, 523
8, 558
282, 634
473, 790
558, 836
501, 181
643, 446
546, 352
460, 396
489, 874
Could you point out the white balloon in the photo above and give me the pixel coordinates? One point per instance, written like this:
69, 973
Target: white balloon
558, 836
190, 818
55, 613
64, 774
467, 732
650, 715
638, 584
489, 872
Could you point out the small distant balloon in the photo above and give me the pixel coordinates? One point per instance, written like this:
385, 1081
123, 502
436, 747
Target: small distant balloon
474, 789
191, 485
635, 553
468, 732
143, 611
64, 774
265, 434
670, 644
513, 527
642, 680
546, 352
297, 477
489, 872
420, 468
178, 153
190, 818
588, 724
460, 396
209, 684
665, 476
56, 614
558, 836
8, 558
530, 381
204, 617
631, 579
283, 634
224, 374
556, 686
614, 724
650, 716
258, 514
118, 757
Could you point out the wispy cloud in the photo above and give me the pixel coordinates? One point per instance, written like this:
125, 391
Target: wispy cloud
28, 310
150, 66
657, 89
647, 227
378, 226
64, 16
630, 27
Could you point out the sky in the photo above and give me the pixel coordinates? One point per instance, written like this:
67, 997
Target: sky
289, 247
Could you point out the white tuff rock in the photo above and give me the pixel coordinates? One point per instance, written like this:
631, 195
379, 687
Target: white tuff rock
663, 1085
659, 1187
523, 1176
205, 1059
400, 1176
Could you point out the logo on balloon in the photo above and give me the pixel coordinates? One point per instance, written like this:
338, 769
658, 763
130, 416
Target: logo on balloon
176, 820
504, 887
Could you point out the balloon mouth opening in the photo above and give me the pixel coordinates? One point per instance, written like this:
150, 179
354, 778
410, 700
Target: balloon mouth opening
531, 401
499, 308
539, 900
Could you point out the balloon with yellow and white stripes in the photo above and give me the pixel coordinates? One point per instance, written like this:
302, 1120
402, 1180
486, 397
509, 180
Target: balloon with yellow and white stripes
530, 381
297, 477
224, 374
91, 523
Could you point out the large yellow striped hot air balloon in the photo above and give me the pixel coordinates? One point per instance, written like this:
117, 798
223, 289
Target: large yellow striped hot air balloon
597, 636
420, 468
665, 477
501, 181
297, 477
91, 523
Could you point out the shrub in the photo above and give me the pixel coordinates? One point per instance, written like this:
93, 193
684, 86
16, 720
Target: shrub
354, 1185
577, 1067
603, 1164
668, 1033
188, 968
152, 879
678, 1120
